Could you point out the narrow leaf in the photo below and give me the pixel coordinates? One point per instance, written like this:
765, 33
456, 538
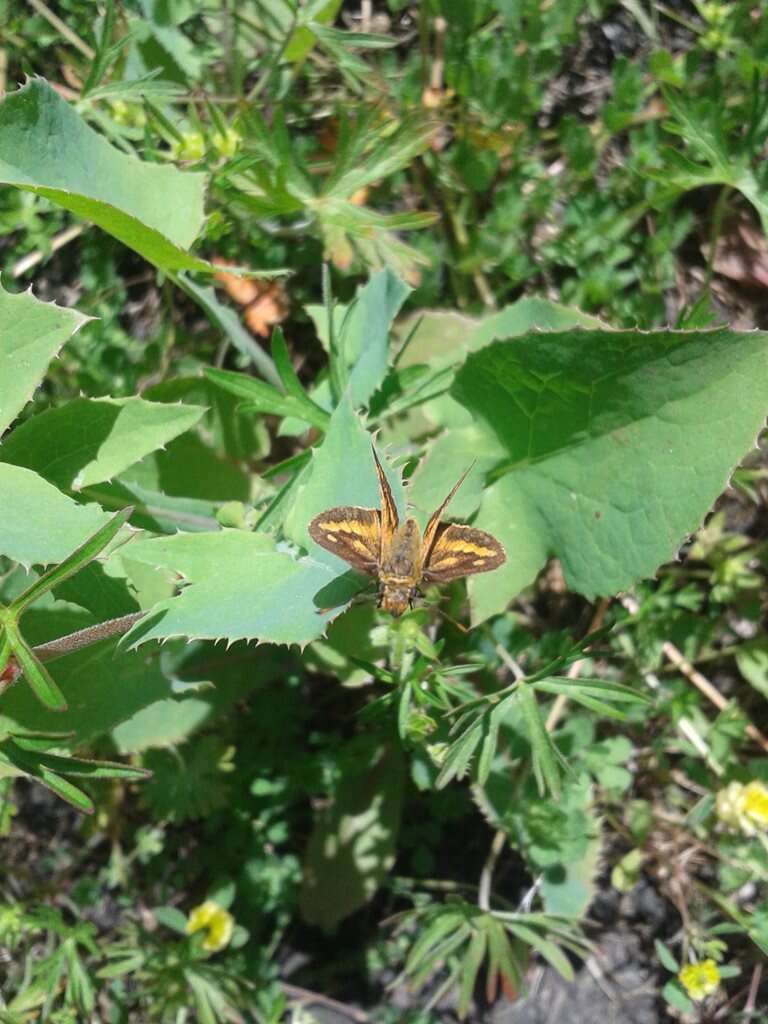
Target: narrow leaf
46, 691
544, 764
74, 562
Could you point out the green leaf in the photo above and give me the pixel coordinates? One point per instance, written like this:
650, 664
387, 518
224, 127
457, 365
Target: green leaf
470, 967
543, 946
459, 754
239, 588
530, 313
365, 333
43, 687
666, 959
75, 561
39, 524
341, 472
598, 427
352, 847
227, 321
261, 397
282, 360
95, 439
674, 995
76, 767
31, 334
154, 209
103, 686
752, 660
544, 764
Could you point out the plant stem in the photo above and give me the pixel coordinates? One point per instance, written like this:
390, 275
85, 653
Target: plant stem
85, 637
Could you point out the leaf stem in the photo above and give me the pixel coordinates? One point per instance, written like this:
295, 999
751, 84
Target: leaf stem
85, 637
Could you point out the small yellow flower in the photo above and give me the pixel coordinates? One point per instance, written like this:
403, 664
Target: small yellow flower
217, 922
699, 979
756, 803
743, 808
191, 146
226, 142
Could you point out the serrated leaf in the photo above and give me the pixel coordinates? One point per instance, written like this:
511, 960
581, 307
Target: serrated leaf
239, 588
96, 439
544, 763
459, 754
598, 427
31, 334
39, 524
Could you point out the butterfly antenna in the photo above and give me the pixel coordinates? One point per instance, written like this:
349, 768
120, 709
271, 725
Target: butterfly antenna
450, 619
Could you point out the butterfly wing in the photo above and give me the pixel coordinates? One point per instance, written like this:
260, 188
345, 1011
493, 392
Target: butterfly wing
431, 529
389, 517
460, 550
352, 533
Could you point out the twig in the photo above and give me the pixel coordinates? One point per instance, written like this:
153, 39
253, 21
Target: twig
754, 985
561, 701
306, 996
63, 29
38, 255
702, 684
484, 889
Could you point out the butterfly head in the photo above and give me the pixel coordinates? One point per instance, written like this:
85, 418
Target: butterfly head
396, 599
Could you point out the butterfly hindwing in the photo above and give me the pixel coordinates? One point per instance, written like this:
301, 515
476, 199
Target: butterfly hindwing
352, 533
460, 550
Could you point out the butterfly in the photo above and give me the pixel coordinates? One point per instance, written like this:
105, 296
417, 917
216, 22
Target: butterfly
398, 555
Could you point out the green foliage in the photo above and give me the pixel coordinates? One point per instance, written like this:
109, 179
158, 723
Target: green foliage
327, 766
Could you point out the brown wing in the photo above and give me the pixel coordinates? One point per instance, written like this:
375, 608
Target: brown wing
461, 550
389, 518
430, 531
352, 533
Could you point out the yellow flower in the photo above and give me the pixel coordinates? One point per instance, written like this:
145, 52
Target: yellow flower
744, 808
699, 979
217, 922
191, 146
226, 142
756, 803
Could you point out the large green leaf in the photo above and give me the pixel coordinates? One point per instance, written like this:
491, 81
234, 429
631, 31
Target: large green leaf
616, 442
365, 334
341, 472
88, 440
40, 525
48, 149
31, 333
239, 588
352, 846
529, 313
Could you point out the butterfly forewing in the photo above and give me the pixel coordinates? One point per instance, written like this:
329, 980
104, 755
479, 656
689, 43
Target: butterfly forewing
352, 533
389, 517
460, 550
431, 529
